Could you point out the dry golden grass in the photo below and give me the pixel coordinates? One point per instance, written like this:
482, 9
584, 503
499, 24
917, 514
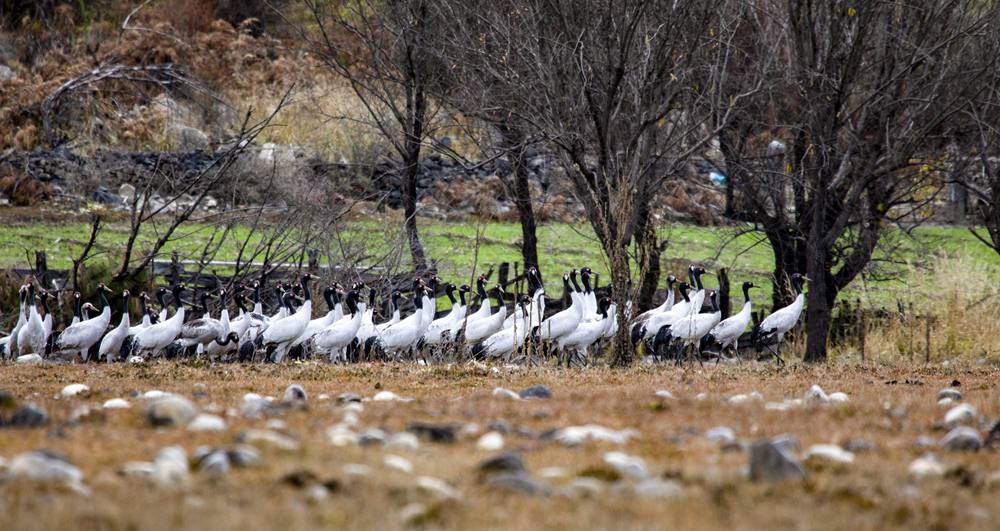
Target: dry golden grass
874, 492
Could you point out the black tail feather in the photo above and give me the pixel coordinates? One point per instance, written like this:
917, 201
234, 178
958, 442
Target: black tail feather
638, 331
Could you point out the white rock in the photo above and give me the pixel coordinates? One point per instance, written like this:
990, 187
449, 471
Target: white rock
658, 488
627, 464
404, 440
43, 466
411, 513
701, 397
577, 435
398, 462
829, 452
276, 424
295, 393
30, 359
354, 407
75, 389
116, 403
490, 442
154, 394
927, 466
838, 398
388, 396
135, 360
350, 419
960, 414
170, 467
269, 438
355, 469
341, 435
139, 469
962, 439
950, 392
254, 405
553, 472
946, 401
745, 398
815, 396
500, 392
322, 397
723, 435
437, 487
663, 393
206, 422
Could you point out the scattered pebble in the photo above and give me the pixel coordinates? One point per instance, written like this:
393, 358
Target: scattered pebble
398, 462
30, 359
500, 392
171, 410
74, 390
437, 487
553, 472
388, 396
627, 464
815, 397
268, 438
701, 397
839, 398
355, 469
663, 393
116, 403
926, 466
341, 435
215, 462
962, 439
583, 486
859, 445
295, 394
206, 422
518, 482
724, 435
170, 467
577, 435
413, 513
946, 401
658, 488
199, 390
404, 440
372, 437
950, 392
770, 461
960, 414
830, 453
505, 462
254, 406
244, 456
432, 432
344, 398
46, 466
745, 398
154, 394
490, 442
536, 391
28, 416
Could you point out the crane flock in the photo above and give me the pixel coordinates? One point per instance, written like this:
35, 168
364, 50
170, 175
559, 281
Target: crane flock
348, 331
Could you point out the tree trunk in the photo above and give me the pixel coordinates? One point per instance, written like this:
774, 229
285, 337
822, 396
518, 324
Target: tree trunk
786, 262
621, 345
522, 200
648, 253
410, 208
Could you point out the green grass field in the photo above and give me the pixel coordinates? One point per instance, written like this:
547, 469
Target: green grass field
456, 246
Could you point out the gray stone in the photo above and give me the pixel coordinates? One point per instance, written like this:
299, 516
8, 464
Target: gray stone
518, 482
536, 391
859, 445
950, 392
499, 426
962, 439
295, 394
627, 464
724, 435
268, 438
6, 74
30, 359
170, 467
371, 437
206, 422
28, 416
172, 410
199, 390
772, 462
243, 456
658, 488
45, 465
344, 398
189, 138
503, 463
216, 462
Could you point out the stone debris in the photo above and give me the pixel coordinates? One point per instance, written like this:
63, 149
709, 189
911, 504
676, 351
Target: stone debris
771, 461
724, 435
432, 432
501, 392
749, 398
72, 390
28, 416
254, 406
403, 440
628, 465
927, 466
30, 359
437, 487
815, 397
950, 393
171, 410
960, 414
295, 394
389, 396
577, 435
962, 439
116, 403
662, 393
206, 422
536, 391
46, 466
398, 463
268, 438
490, 442
828, 453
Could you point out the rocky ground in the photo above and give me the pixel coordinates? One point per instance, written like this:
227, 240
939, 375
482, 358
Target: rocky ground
388, 446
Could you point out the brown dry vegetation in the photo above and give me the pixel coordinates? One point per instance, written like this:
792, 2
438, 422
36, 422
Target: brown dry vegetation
875, 492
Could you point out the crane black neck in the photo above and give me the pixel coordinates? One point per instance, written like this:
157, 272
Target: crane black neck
572, 276
746, 293
449, 290
461, 296
78, 307
45, 302
797, 284
585, 278
352, 302
684, 292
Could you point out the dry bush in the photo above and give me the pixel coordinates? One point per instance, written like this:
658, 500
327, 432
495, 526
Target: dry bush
23, 190
962, 301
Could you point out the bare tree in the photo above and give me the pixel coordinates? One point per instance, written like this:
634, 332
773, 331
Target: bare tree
610, 87
381, 49
847, 136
